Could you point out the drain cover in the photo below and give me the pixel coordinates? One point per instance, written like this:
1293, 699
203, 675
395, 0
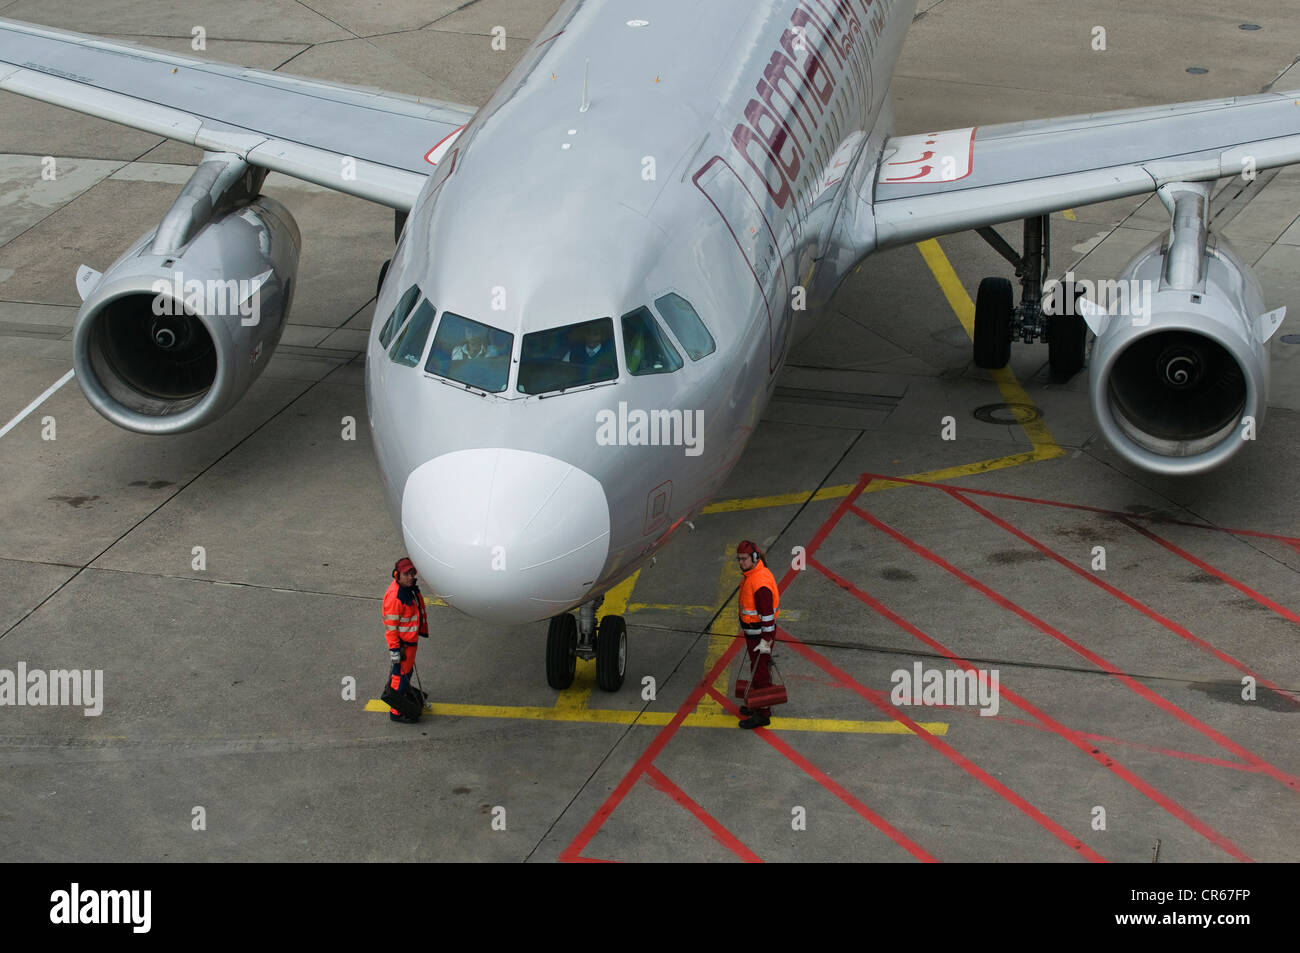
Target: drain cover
1008, 413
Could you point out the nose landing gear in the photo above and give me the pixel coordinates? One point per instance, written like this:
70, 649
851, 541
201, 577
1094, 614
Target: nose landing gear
569, 639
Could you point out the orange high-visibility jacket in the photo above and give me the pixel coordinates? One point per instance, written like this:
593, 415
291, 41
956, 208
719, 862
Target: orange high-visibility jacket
757, 618
401, 621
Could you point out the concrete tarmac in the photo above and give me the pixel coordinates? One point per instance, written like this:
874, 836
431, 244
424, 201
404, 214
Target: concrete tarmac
227, 582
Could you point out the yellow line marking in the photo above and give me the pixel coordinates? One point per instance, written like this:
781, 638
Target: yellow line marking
844, 489
575, 697
1045, 447
667, 607
964, 308
1069, 214
657, 719
721, 633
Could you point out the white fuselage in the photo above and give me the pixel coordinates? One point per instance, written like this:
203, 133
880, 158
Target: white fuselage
704, 154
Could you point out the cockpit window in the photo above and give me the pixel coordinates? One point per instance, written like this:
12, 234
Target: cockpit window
410, 343
468, 352
686, 324
404, 306
645, 348
571, 356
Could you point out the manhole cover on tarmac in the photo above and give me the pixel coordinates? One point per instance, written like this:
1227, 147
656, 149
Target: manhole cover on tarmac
1008, 413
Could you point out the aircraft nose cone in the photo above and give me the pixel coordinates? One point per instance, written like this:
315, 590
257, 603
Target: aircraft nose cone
507, 536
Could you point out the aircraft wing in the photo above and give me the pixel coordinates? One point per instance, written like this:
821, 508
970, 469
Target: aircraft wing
950, 181
360, 141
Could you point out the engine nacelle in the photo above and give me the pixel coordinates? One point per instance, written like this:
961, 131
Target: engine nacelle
168, 341
1179, 375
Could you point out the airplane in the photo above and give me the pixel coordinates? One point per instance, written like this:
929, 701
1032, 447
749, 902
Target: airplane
598, 275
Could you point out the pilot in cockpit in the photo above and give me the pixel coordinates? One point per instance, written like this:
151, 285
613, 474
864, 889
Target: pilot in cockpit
595, 348
475, 345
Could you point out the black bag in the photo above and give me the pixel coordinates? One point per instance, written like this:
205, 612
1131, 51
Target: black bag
407, 703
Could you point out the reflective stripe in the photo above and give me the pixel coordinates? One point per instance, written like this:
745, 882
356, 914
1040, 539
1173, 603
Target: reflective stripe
756, 578
768, 618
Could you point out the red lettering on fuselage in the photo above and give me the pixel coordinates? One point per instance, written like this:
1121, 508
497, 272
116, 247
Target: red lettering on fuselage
817, 53
743, 138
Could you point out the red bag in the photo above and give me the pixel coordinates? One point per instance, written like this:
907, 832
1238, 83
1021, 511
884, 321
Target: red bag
768, 695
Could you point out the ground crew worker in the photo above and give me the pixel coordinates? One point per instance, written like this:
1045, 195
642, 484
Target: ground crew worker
405, 622
759, 602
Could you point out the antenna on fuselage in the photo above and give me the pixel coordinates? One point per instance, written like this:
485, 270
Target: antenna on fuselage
586, 104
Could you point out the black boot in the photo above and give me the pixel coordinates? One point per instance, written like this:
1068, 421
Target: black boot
756, 720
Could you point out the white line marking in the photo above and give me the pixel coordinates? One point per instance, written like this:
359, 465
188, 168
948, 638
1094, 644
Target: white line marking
36, 403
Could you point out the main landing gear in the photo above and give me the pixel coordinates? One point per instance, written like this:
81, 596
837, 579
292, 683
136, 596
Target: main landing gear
569, 639
999, 320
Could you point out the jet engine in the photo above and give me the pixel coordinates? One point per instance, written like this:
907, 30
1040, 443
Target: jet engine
179, 327
1180, 370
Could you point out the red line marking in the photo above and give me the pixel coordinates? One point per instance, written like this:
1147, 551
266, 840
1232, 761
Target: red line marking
593, 826
830, 784
1167, 752
660, 782
1173, 753
647, 758
1293, 541
1137, 687
880, 701
1147, 611
1105, 760
1206, 567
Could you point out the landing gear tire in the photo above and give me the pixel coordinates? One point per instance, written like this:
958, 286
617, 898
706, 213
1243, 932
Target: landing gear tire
1067, 341
611, 653
994, 305
383, 273
561, 651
